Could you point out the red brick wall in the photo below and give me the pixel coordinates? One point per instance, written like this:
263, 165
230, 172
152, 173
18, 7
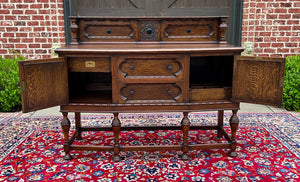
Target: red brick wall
273, 26
30, 27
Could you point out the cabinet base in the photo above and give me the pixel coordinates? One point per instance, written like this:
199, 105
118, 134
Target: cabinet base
185, 147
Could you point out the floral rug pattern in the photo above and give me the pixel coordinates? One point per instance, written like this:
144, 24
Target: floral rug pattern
268, 150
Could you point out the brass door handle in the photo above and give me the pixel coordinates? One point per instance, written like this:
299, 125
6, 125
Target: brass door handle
131, 92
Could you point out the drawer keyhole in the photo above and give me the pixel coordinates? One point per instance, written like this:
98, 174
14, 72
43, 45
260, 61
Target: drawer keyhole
188, 30
109, 31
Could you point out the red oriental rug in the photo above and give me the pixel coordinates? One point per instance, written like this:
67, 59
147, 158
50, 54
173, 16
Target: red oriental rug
268, 150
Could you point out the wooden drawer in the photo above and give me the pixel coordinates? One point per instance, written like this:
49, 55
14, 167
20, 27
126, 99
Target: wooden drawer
108, 30
164, 67
86, 64
132, 93
143, 67
150, 78
189, 30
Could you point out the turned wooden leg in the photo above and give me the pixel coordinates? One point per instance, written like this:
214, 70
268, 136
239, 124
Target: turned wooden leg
116, 127
185, 126
220, 123
234, 124
78, 125
65, 124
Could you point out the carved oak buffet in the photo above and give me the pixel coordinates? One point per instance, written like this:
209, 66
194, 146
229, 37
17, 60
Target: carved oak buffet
149, 65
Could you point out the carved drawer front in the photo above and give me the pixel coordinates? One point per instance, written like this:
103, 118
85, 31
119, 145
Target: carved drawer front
92, 64
131, 93
189, 30
143, 67
150, 78
108, 30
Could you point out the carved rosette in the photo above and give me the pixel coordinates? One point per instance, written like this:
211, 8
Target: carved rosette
149, 31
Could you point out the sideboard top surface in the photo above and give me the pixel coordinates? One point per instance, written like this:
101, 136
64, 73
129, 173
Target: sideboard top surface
180, 48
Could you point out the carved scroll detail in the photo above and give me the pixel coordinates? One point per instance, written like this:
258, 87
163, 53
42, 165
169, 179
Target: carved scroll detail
74, 31
223, 26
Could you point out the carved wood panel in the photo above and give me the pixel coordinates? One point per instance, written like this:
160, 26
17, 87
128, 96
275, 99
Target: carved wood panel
149, 31
134, 93
143, 67
258, 80
189, 30
150, 77
43, 83
92, 30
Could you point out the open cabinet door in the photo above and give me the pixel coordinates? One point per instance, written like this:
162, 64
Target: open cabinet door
43, 83
258, 80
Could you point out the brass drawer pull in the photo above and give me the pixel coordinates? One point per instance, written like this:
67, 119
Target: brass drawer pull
149, 31
131, 92
90, 64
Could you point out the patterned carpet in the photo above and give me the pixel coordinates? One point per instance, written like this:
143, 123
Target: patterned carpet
268, 150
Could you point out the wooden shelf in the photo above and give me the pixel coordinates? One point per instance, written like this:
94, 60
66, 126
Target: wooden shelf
93, 97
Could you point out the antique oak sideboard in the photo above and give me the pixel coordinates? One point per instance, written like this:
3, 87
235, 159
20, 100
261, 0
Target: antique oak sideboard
153, 64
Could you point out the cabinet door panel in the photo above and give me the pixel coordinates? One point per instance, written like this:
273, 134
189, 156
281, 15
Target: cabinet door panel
258, 80
43, 83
